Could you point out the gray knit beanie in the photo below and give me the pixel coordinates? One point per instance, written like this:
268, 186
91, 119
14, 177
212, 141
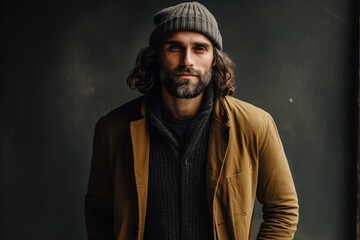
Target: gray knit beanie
188, 16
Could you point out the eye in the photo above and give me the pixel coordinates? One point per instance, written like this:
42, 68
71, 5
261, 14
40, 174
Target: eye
200, 48
175, 47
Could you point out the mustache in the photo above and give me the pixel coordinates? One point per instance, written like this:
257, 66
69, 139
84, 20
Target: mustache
181, 70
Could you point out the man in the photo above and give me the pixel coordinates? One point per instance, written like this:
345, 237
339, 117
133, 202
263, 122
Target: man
187, 160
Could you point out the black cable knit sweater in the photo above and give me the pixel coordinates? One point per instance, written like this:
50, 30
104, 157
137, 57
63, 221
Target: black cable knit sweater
177, 205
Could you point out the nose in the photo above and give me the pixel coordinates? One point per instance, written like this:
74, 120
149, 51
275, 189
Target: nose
187, 58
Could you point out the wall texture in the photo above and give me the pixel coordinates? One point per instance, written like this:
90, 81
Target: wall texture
64, 65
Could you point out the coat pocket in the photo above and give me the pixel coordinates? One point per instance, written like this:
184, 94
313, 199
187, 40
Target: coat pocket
241, 202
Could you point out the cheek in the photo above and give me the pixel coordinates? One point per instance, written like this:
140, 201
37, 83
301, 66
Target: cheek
207, 62
207, 66
167, 63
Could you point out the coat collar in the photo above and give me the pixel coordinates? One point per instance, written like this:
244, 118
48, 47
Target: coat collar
220, 114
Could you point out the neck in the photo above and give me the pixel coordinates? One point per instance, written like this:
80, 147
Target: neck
181, 108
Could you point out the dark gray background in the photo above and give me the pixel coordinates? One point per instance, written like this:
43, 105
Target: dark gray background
65, 63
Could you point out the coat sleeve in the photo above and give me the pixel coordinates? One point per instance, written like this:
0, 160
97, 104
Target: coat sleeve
276, 190
99, 196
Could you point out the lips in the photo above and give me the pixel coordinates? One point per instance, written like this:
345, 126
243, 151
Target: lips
185, 74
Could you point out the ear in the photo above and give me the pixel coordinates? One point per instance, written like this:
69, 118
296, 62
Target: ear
214, 63
214, 58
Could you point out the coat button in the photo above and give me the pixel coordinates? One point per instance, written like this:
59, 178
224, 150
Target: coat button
135, 230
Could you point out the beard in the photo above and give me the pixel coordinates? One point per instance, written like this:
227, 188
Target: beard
185, 87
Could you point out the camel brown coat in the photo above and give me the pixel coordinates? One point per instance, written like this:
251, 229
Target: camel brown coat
246, 161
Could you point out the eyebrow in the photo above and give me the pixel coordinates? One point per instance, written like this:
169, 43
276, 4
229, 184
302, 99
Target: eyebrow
205, 44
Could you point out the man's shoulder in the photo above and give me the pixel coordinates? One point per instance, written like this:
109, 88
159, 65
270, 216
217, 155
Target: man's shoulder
246, 114
130, 111
238, 106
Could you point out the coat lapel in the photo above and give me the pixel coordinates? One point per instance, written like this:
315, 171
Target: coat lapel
218, 145
141, 145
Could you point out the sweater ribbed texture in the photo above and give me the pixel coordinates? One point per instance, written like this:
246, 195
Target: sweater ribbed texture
177, 205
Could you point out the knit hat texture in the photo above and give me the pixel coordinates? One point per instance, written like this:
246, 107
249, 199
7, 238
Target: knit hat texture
188, 16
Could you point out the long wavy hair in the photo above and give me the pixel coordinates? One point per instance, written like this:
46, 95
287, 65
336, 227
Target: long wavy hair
145, 75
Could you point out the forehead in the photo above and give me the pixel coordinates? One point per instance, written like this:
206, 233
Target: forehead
187, 37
